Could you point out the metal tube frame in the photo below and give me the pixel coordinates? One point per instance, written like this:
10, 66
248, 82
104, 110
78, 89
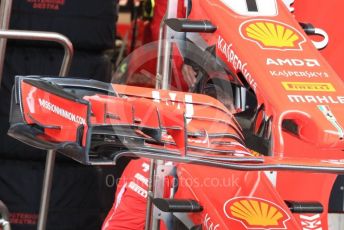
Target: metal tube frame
158, 76
5, 15
4, 220
171, 12
66, 63
253, 164
163, 76
44, 36
150, 194
46, 189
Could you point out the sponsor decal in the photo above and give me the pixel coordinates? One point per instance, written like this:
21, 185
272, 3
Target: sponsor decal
270, 34
272, 176
305, 74
209, 224
312, 222
235, 61
336, 162
189, 107
141, 178
332, 119
46, 4
316, 99
145, 167
23, 218
138, 189
253, 7
61, 112
256, 213
292, 62
30, 100
308, 86
156, 96
289, 4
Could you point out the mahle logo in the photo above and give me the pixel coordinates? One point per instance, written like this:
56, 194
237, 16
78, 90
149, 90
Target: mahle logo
308, 86
270, 34
256, 213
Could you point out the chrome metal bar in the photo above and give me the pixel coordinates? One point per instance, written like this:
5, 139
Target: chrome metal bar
4, 214
243, 166
158, 192
46, 189
163, 75
45, 36
159, 58
5, 15
150, 194
243, 98
5, 224
166, 68
66, 63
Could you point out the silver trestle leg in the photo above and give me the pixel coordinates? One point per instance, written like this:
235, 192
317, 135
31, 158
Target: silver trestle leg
166, 65
46, 189
150, 194
163, 76
5, 15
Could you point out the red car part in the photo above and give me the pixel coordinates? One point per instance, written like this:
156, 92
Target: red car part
312, 104
96, 123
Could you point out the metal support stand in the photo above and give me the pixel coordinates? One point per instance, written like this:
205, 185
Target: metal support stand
5, 15
164, 62
4, 217
163, 73
46, 189
158, 191
158, 76
43, 36
66, 63
150, 193
162, 171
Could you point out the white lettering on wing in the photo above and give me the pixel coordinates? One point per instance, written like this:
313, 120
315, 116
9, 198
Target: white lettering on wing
61, 112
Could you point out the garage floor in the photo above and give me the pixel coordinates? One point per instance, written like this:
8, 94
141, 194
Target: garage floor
336, 221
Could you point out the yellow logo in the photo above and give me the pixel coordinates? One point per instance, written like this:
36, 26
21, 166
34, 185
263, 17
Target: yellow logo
308, 86
256, 213
269, 34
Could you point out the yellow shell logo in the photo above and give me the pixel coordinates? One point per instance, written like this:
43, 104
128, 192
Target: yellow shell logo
269, 34
256, 213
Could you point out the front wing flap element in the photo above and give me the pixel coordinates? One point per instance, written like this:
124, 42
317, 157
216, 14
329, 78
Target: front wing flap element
46, 116
92, 123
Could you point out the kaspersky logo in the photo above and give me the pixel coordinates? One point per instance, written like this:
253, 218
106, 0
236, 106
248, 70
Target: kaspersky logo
256, 213
270, 34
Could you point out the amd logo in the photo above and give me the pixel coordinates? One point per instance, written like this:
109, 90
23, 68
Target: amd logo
292, 62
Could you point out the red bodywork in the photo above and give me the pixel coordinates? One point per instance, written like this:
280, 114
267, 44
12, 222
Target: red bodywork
327, 15
285, 78
289, 78
195, 126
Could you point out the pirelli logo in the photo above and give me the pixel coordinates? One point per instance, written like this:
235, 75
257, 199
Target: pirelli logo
308, 86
